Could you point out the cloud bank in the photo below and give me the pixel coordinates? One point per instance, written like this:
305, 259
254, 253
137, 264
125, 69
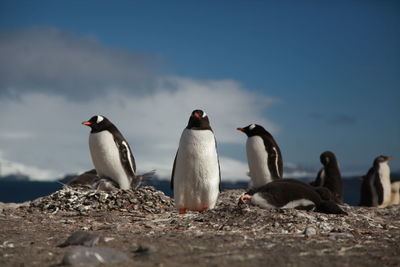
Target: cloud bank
53, 61
56, 81
45, 130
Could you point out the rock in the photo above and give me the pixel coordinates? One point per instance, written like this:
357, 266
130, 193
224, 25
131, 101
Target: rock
310, 231
144, 250
93, 256
81, 238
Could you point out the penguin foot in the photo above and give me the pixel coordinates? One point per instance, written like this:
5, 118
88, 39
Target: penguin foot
243, 198
182, 211
203, 208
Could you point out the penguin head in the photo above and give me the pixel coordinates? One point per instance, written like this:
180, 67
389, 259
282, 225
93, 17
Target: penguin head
254, 129
198, 121
98, 123
327, 157
381, 159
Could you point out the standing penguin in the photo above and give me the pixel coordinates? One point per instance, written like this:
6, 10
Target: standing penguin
329, 176
196, 173
111, 155
263, 156
376, 187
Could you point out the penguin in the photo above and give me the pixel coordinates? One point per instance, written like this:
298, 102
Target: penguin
111, 154
263, 155
196, 174
329, 176
395, 194
289, 193
376, 187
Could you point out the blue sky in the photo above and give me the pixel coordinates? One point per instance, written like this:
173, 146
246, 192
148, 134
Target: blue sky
329, 70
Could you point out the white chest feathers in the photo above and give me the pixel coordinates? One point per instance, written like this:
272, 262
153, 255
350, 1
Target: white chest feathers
257, 158
196, 175
258, 200
106, 158
384, 176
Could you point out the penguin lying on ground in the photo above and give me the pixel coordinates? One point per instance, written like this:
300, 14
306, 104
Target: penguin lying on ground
111, 155
90, 179
263, 156
376, 186
196, 173
329, 176
289, 193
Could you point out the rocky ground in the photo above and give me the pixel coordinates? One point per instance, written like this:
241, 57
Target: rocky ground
141, 228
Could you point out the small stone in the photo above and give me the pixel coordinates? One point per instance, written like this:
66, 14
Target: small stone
81, 238
144, 250
93, 256
310, 231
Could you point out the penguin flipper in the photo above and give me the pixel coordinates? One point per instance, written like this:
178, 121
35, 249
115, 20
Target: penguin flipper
219, 166
330, 207
324, 193
379, 189
173, 172
318, 181
141, 178
126, 156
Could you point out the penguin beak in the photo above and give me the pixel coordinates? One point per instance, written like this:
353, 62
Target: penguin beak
87, 123
197, 115
389, 158
240, 129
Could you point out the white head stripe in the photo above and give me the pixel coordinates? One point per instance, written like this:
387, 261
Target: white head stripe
204, 114
252, 126
99, 119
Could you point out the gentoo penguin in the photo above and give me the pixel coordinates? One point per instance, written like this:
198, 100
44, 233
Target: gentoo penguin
376, 187
263, 156
196, 173
111, 155
329, 176
395, 194
288, 193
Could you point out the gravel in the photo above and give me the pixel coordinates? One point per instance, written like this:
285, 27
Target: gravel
145, 226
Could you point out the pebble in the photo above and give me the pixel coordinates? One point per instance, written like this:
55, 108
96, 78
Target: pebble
93, 256
144, 250
310, 231
81, 238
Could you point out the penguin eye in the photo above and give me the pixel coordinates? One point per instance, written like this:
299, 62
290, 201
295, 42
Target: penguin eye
251, 127
99, 119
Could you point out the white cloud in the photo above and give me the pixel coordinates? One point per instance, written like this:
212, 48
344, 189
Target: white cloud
151, 123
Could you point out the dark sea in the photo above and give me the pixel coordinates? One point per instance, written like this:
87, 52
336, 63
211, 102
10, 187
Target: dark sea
20, 191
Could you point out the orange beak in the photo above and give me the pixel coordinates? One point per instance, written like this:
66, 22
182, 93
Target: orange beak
197, 115
389, 158
240, 129
87, 123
